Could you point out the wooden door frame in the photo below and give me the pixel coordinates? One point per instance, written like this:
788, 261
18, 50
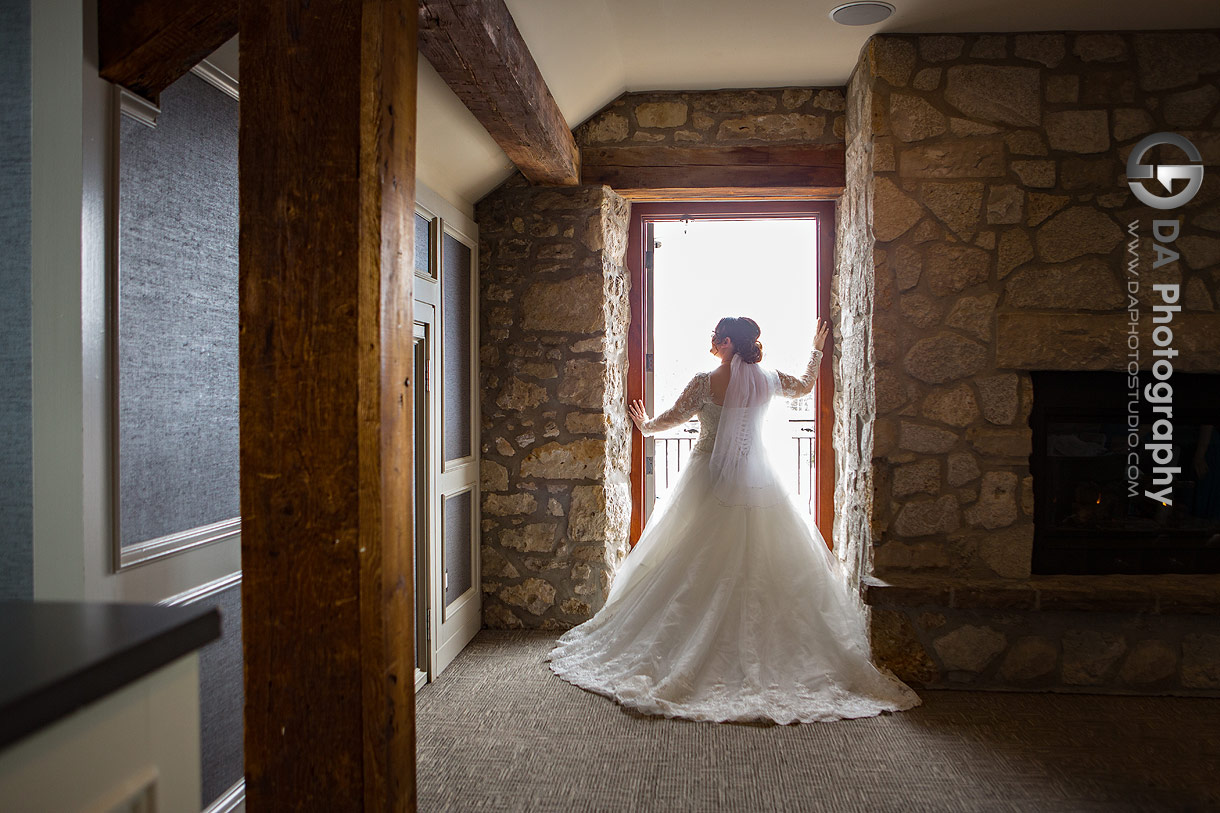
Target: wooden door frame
823, 210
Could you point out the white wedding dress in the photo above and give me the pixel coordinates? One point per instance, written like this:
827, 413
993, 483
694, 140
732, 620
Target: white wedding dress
730, 607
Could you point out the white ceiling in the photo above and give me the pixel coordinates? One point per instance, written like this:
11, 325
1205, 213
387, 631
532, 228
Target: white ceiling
454, 155
591, 51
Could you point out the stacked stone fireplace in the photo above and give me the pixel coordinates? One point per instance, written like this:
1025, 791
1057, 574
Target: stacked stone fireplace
993, 216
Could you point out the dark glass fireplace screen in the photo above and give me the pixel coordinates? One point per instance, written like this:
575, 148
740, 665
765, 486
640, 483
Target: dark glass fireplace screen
1089, 517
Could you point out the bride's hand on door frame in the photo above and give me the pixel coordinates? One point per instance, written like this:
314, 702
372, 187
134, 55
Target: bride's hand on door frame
636, 410
823, 330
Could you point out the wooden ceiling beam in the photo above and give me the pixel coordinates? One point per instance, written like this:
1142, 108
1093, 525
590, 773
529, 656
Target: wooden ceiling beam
476, 47
144, 45
650, 172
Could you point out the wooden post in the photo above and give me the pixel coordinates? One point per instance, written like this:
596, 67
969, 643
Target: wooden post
327, 217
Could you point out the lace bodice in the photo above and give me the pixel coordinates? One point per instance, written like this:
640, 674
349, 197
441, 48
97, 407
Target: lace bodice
709, 422
696, 399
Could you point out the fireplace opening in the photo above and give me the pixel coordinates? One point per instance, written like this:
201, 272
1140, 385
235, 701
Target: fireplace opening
1089, 517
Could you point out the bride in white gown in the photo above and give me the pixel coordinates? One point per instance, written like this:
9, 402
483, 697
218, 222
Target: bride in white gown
731, 607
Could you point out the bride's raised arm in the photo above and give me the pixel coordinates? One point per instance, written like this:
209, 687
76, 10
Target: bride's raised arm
688, 404
792, 387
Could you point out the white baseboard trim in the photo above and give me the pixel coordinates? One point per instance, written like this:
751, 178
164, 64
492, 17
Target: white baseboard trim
217, 78
137, 107
233, 799
203, 591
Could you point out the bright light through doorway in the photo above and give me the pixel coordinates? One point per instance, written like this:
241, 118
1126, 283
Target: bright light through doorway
706, 269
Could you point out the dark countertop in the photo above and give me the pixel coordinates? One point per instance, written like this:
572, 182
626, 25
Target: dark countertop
58, 656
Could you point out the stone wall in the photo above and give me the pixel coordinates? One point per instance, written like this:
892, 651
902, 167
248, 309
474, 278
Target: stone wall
718, 118
1000, 211
554, 310
555, 432
851, 306
999, 208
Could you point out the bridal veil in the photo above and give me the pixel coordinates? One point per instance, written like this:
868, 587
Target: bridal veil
741, 466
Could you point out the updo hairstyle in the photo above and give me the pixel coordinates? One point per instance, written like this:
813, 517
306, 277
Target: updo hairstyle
743, 332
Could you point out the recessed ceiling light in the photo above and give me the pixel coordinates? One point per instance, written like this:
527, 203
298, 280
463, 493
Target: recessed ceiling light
861, 12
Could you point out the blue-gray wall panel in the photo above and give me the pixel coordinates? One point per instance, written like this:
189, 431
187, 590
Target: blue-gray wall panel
220, 700
16, 449
177, 325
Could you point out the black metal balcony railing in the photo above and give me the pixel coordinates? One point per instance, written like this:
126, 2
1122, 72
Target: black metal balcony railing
674, 446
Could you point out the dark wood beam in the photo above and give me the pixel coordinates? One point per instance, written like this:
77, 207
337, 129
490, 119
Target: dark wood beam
327, 172
476, 47
649, 172
144, 45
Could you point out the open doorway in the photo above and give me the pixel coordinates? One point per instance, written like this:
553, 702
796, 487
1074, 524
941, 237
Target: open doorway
693, 263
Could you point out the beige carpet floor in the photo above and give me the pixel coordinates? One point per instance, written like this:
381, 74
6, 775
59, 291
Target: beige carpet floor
498, 731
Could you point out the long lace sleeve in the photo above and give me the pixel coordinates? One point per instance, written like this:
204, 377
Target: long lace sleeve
792, 387
688, 404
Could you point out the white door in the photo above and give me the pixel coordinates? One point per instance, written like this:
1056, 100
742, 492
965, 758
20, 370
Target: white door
422, 454
457, 613
449, 608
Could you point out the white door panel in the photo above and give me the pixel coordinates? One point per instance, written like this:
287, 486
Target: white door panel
446, 303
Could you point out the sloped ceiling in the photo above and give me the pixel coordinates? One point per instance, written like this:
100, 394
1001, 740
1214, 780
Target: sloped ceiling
454, 154
591, 51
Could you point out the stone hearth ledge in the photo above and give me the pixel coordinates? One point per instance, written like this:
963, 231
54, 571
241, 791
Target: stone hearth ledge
1160, 594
